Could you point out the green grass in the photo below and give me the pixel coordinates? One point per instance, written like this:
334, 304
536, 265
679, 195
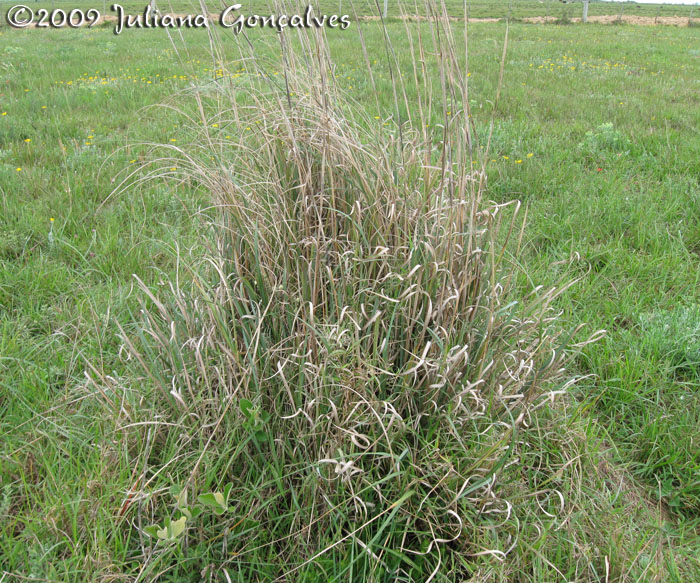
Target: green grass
599, 139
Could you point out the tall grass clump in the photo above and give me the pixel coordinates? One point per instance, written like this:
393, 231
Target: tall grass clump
351, 353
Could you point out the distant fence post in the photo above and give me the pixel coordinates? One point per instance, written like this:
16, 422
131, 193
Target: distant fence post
386, 8
585, 11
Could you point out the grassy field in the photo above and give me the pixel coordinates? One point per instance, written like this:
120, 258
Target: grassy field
596, 132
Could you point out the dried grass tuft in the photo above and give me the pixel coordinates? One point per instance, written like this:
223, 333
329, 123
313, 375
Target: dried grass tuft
359, 289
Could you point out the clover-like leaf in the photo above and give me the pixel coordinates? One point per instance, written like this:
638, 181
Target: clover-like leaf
178, 527
207, 499
152, 530
172, 529
215, 500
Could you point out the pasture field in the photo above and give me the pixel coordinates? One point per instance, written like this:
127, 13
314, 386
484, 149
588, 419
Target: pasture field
597, 132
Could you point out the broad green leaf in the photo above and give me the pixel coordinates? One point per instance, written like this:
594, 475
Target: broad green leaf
208, 499
172, 529
178, 527
151, 531
215, 500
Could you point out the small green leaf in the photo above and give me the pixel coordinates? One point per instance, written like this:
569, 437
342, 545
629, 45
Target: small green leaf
172, 529
151, 531
208, 499
181, 499
178, 527
227, 491
216, 501
246, 408
261, 436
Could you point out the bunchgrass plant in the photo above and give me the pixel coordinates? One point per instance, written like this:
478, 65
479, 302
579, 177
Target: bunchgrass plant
351, 353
